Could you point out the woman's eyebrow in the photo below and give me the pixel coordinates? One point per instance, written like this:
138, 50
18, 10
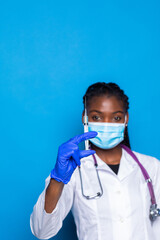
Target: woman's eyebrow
118, 112
95, 111
102, 112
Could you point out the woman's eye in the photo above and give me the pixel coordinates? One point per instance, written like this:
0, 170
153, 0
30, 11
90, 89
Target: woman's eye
96, 118
117, 118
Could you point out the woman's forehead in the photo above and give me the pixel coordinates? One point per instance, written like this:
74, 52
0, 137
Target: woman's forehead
104, 103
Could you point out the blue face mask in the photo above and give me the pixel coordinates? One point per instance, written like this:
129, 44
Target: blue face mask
109, 134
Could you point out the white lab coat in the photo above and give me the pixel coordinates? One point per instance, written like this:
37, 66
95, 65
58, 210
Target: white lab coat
122, 213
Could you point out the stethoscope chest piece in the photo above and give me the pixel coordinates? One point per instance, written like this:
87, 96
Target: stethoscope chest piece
154, 212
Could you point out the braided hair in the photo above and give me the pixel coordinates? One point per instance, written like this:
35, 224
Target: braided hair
109, 89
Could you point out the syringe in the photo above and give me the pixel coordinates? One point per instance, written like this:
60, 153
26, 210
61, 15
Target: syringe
85, 124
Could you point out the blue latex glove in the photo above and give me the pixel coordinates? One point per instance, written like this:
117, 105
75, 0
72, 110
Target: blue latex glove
69, 157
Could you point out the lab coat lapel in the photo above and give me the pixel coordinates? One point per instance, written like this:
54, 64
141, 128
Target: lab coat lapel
127, 165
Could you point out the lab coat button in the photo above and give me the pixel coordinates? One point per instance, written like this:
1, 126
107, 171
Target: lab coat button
121, 219
118, 192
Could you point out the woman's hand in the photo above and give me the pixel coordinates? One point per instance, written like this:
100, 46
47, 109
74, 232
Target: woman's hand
69, 157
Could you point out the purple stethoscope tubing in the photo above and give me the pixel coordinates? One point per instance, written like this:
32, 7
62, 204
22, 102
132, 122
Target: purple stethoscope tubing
144, 172
154, 211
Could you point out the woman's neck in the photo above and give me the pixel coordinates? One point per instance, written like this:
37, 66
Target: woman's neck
109, 156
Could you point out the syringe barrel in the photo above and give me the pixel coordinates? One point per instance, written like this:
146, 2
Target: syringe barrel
85, 119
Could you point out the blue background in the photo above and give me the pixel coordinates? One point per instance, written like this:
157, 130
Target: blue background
50, 52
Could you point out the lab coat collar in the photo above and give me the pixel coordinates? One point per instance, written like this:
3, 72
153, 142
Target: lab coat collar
127, 165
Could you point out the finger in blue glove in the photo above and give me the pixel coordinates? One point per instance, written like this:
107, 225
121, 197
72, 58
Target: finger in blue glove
69, 157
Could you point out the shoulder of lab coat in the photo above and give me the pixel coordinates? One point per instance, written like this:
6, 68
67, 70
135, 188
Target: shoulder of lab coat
151, 164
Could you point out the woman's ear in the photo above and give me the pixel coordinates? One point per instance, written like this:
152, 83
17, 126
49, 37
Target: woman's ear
127, 118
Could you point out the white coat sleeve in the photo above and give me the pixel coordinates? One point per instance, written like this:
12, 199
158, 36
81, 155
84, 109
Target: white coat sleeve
46, 225
156, 186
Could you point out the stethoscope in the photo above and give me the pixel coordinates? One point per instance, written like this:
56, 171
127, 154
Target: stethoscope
154, 211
